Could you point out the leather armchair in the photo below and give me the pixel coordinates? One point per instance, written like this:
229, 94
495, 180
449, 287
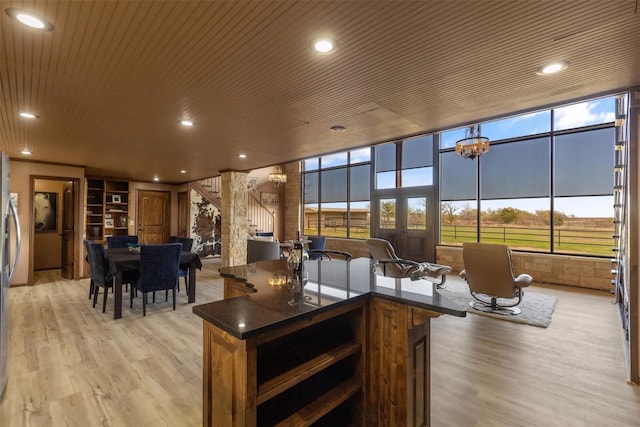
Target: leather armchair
488, 270
390, 265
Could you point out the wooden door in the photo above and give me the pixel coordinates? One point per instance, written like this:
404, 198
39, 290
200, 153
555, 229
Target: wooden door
68, 227
183, 214
154, 216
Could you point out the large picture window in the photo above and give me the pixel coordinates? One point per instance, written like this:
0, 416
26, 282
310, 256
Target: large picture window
545, 185
337, 194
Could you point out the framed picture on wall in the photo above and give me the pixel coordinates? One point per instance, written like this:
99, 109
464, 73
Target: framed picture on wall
109, 223
270, 200
116, 198
45, 206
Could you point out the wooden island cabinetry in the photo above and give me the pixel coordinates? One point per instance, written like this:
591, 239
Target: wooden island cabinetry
354, 350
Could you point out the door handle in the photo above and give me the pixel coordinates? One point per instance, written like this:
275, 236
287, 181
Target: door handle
16, 222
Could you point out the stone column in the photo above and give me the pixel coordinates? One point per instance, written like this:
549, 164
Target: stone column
293, 200
234, 218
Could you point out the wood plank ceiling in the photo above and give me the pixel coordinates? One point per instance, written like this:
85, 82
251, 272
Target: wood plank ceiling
112, 80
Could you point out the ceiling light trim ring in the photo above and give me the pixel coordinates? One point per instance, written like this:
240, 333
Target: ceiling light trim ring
16, 13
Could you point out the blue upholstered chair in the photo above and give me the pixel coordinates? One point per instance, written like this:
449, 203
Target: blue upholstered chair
187, 245
99, 266
114, 242
86, 246
316, 243
159, 265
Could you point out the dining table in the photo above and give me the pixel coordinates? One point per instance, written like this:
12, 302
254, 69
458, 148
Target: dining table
125, 259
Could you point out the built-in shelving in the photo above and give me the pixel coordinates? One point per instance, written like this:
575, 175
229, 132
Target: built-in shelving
305, 375
621, 200
106, 208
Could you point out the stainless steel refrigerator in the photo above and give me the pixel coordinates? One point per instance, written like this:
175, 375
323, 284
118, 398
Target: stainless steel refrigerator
8, 266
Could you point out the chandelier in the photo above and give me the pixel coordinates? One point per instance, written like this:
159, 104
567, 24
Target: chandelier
277, 176
472, 144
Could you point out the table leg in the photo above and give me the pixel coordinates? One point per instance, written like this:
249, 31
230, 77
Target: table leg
117, 295
192, 283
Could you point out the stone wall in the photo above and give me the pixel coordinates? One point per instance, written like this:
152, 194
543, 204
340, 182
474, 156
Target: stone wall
292, 200
357, 248
583, 272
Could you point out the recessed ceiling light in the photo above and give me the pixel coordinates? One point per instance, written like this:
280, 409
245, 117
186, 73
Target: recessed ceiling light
183, 171
155, 178
26, 152
338, 128
242, 156
324, 45
186, 123
30, 19
27, 115
552, 68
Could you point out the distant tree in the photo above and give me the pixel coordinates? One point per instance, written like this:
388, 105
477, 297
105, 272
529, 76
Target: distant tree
417, 215
490, 215
468, 214
508, 215
448, 212
387, 210
545, 215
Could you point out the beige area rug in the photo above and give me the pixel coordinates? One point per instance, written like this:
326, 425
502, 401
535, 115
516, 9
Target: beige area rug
537, 308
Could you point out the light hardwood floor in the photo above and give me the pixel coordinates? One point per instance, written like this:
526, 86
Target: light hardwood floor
72, 365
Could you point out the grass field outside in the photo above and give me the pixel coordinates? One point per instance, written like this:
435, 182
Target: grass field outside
597, 242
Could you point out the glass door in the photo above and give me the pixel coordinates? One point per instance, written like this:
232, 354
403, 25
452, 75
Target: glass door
405, 217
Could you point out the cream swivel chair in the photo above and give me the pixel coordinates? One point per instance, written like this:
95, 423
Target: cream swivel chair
390, 265
489, 272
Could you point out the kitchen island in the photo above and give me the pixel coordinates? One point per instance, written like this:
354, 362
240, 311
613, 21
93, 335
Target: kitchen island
334, 344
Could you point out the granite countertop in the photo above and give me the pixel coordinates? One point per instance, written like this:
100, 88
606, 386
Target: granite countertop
327, 285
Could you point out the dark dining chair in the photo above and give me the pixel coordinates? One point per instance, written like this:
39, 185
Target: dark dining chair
159, 265
316, 243
187, 245
114, 242
329, 254
100, 277
91, 285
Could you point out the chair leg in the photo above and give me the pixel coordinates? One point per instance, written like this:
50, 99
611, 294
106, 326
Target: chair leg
96, 291
91, 290
166, 294
104, 299
154, 296
144, 304
186, 285
131, 298
174, 299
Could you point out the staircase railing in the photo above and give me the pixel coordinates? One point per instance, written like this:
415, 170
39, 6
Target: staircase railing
210, 189
259, 216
